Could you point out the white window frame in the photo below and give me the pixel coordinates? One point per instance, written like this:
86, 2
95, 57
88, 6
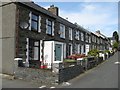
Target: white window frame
86, 37
82, 49
30, 15
52, 32
77, 35
89, 39
70, 33
62, 31
30, 22
82, 36
39, 24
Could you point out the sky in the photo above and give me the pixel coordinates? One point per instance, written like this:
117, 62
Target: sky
92, 16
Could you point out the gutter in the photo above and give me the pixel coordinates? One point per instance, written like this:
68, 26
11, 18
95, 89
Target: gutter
6, 4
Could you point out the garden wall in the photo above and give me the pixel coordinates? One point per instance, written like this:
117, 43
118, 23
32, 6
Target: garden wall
47, 76
60, 74
68, 73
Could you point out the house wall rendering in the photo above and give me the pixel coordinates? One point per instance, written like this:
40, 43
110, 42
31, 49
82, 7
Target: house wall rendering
8, 37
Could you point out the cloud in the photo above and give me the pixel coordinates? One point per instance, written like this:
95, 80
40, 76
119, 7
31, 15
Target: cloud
94, 16
75, 0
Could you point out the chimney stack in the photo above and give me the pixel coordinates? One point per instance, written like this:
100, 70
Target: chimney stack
98, 31
54, 10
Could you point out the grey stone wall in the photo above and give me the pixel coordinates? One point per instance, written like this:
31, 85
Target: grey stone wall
68, 73
47, 76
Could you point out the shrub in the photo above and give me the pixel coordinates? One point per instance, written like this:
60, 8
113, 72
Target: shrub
93, 52
106, 51
69, 60
76, 56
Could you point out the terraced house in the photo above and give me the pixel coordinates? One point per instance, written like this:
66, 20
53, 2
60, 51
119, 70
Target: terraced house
41, 36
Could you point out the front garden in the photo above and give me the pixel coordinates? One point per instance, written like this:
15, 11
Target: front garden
93, 58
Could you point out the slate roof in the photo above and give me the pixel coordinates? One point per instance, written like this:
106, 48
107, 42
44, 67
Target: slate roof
32, 5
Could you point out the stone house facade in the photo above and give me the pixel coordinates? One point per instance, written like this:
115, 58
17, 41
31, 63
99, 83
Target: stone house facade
42, 36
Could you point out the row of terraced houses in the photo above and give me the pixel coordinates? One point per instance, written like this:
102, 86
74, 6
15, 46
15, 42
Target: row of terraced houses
38, 35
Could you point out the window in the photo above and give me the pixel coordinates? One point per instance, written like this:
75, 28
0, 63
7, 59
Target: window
77, 48
49, 27
82, 49
34, 49
77, 35
34, 22
69, 49
62, 31
93, 39
82, 36
70, 33
86, 37
89, 39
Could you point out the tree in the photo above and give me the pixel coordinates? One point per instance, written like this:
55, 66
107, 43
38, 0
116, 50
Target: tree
116, 36
115, 45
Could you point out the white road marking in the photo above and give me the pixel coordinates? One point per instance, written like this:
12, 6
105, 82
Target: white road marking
66, 84
117, 63
42, 86
52, 87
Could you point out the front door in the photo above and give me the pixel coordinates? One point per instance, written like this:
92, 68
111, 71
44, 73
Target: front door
58, 52
69, 49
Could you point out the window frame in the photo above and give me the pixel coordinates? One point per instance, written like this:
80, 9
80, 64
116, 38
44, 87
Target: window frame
32, 46
49, 31
62, 31
70, 34
35, 21
82, 36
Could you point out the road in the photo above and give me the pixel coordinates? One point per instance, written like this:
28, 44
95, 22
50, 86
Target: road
103, 76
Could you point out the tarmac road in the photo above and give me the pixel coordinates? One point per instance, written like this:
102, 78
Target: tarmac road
103, 76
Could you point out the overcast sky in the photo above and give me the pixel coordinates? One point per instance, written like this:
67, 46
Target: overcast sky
93, 16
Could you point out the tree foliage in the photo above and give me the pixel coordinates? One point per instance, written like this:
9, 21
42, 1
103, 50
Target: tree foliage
115, 45
116, 36
93, 52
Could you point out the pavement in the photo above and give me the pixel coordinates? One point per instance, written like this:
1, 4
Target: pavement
5, 76
9, 81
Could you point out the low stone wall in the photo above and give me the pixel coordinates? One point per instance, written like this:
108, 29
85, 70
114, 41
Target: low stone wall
68, 73
58, 73
36, 75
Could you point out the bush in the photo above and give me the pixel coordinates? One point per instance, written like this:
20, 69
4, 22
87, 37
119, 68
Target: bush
106, 51
93, 52
76, 56
69, 60
115, 45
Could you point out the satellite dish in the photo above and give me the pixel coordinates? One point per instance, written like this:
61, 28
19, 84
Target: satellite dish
24, 25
